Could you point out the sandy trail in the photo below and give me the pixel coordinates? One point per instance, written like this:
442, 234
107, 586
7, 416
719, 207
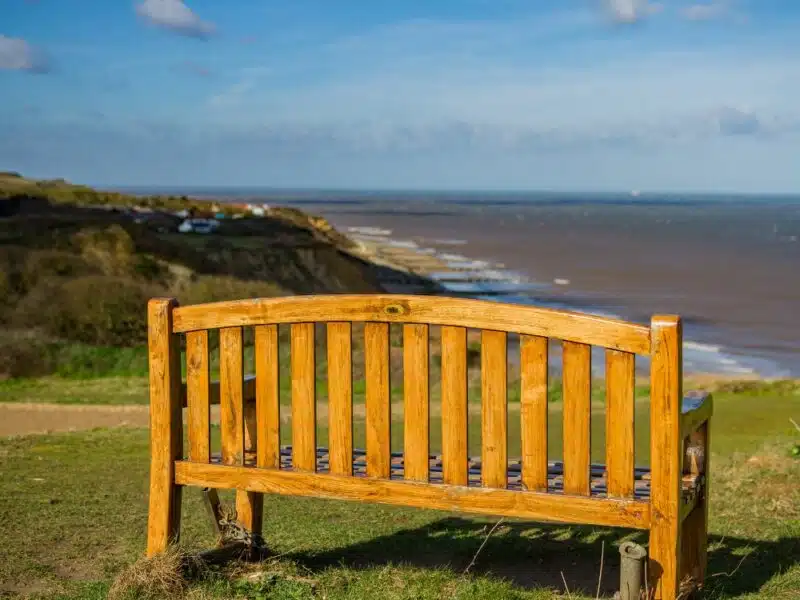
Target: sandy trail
33, 418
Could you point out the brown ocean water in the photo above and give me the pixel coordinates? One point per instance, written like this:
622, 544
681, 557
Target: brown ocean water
730, 268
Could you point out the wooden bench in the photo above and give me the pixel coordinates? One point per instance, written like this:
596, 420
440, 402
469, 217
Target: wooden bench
668, 499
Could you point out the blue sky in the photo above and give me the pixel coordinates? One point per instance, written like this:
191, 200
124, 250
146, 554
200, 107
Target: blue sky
456, 94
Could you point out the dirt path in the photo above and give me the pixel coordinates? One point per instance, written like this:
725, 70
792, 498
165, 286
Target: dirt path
32, 418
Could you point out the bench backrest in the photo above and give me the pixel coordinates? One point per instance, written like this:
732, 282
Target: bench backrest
661, 342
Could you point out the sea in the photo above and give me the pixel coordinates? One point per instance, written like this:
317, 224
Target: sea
729, 265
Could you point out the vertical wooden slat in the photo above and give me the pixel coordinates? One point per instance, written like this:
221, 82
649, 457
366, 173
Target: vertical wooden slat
454, 405
376, 363
304, 398
166, 426
577, 367
416, 386
268, 427
533, 400
340, 398
494, 412
231, 384
197, 387
620, 371
666, 448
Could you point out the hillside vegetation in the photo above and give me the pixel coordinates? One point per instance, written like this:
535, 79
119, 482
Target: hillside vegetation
77, 265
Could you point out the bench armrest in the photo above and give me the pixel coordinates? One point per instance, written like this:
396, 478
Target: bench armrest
249, 384
696, 409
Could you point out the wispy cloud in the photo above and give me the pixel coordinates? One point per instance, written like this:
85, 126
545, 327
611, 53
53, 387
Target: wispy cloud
193, 68
176, 16
706, 11
631, 11
18, 55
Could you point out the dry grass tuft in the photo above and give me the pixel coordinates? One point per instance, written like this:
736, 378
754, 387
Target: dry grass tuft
162, 577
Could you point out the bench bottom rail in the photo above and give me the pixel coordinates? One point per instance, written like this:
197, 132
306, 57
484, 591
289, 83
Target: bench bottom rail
538, 506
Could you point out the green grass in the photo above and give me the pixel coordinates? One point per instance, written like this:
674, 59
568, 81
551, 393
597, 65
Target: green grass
74, 515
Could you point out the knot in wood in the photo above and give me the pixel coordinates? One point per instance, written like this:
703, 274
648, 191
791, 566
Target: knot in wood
395, 309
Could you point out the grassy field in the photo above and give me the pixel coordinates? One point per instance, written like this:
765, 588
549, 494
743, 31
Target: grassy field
74, 514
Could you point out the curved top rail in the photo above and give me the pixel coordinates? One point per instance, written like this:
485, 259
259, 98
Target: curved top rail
433, 310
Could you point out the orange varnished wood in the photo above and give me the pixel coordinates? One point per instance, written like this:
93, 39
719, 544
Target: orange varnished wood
166, 423
533, 417
267, 384
231, 376
378, 404
250, 505
478, 314
494, 411
454, 405
197, 392
340, 398
577, 361
214, 391
526, 505
678, 530
304, 397
666, 450
620, 372
416, 386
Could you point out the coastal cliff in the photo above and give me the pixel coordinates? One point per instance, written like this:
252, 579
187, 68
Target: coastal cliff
77, 265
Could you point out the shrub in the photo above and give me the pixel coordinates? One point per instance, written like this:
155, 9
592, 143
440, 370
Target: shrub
96, 309
25, 354
209, 288
110, 250
46, 264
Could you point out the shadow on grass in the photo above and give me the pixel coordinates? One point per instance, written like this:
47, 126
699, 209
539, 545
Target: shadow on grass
535, 556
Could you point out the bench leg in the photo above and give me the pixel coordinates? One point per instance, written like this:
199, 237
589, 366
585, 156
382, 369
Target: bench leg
164, 518
250, 505
694, 543
694, 533
664, 560
249, 510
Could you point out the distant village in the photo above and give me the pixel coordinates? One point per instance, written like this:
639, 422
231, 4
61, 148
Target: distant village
194, 220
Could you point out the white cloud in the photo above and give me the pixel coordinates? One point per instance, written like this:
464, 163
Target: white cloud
706, 11
18, 55
175, 16
630, 11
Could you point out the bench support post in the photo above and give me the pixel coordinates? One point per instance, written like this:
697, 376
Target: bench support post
166, 423
250, 505
666, 457
695, 525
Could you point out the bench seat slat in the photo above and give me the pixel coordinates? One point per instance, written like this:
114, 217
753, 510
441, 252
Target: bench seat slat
691, 483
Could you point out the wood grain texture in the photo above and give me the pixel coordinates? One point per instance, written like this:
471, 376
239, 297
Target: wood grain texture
340, 398
454, 405
526, 505
533, 411
666, 448
577, 367
478, 314
197, 392
416, 414
692, 419
620, 372
378, 402
214, 391
304, 397
494, 410
231, 383
267, 382
250, 505
166, 423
